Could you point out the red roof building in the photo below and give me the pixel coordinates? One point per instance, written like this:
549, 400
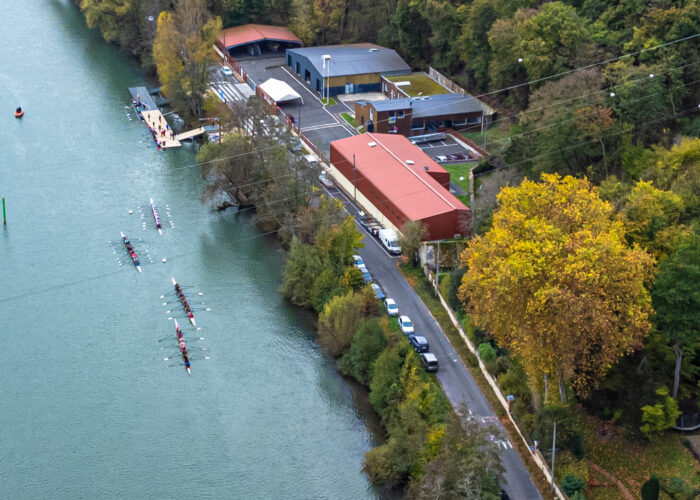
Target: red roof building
402, 182
256, 40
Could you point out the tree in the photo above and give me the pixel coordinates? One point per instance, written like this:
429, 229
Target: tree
367, 344
572, 484
678, 169
466, 466
302, 267
661, 416
676, 299
553, 137
651, 216
326, 286
551, 40
412, 235
650, 489
182, 54
555, 283
339, 321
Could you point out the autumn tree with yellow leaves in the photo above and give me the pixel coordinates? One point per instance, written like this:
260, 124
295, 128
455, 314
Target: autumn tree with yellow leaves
555, 282
182, 54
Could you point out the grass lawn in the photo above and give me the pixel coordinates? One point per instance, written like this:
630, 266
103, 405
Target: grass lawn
633, 462
495, 136
329, 101
420, 84
459, 170
348, 118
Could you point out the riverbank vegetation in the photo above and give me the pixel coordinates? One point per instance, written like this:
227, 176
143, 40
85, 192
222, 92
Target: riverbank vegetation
429, 449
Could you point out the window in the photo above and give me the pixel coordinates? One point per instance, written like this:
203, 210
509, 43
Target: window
371, 114
460, 121
384, 86
417, 125
474, 119
400, 114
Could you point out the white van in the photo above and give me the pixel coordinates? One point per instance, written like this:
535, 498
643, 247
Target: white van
390, 241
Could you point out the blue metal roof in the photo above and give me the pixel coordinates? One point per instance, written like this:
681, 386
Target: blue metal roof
434, 105
354, 59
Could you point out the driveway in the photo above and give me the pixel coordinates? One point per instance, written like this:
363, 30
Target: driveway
456, 381
320, 124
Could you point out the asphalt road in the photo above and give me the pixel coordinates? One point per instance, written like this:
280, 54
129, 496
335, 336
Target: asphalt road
456, 381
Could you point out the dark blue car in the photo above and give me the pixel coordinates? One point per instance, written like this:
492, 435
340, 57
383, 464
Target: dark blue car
419, 343
367, 277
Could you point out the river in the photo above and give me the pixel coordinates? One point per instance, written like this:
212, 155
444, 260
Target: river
88, 406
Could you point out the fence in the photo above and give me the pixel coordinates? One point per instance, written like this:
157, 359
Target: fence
443, 80
535, 455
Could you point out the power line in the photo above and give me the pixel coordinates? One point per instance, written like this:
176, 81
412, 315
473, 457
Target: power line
268, 233
606, 61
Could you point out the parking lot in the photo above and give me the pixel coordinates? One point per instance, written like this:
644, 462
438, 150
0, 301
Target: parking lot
321, 125
445, 147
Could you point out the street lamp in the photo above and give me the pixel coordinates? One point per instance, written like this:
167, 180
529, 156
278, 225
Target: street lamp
326, 89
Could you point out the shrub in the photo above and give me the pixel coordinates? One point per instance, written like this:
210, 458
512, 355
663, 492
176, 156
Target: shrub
455, 281
445, 285
339, 321
572, 484
302, 267
326, 286
498, 366
486, 352
385, 385
367, 345
659, 417
514, 381
650, 489
578, 496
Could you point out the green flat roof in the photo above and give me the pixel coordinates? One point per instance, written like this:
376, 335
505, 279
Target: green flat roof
420, 84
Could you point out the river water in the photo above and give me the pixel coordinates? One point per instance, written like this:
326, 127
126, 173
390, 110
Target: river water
88, 406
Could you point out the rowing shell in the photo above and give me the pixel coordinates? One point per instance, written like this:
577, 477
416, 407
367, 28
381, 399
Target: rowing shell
180, 340
183, 301
155, 217
132, 252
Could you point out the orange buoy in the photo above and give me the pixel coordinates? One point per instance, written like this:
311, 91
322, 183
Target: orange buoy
19, 113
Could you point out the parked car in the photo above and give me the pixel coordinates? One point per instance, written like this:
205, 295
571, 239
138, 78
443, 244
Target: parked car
419, 343
405, 325
429, 361
452, 157
325, 180
226, 71
391, 308
440, 158
366, 276
357, 260
378, 292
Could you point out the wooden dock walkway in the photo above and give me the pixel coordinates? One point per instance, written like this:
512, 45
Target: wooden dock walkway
190, 134
156, 121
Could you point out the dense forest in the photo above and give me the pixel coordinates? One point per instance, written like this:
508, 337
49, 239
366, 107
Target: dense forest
582, 285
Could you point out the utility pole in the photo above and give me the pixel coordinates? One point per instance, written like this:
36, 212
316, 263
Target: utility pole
437, 270
554, 450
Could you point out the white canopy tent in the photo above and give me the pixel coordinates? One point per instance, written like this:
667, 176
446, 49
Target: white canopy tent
279, 91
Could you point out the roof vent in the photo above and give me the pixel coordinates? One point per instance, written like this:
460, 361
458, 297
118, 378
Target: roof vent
426, 168
373, 50
410, 162
371, 144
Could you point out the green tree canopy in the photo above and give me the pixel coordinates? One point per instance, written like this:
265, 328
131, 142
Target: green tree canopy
676, 299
